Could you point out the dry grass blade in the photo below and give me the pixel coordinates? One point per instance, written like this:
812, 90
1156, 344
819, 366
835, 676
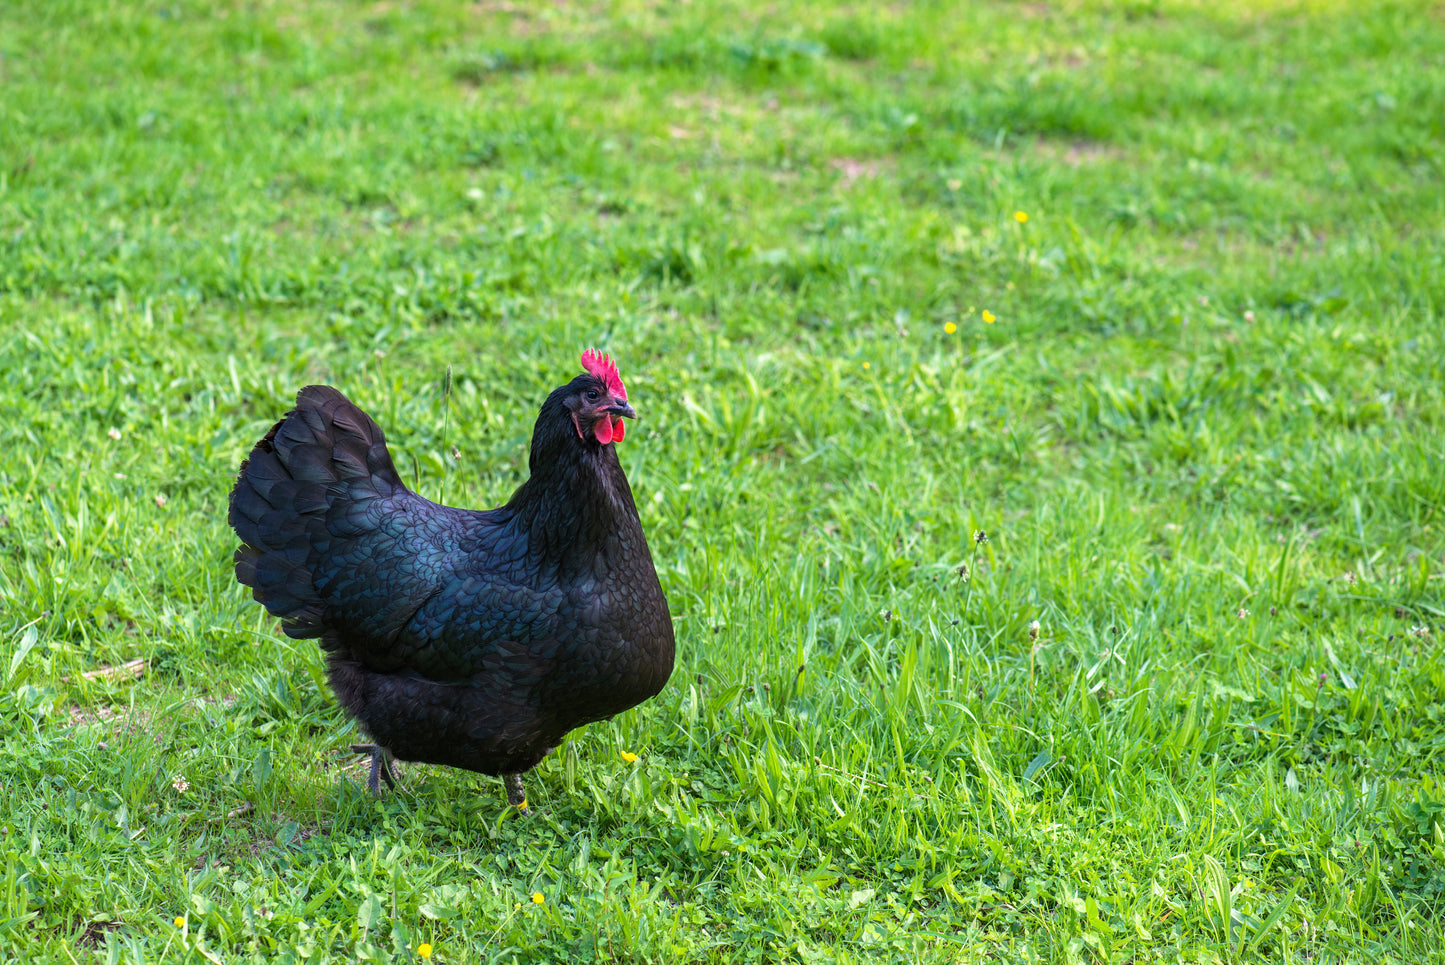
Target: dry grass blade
130, 670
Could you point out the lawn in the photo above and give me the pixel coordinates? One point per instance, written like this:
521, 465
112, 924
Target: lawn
1041, 430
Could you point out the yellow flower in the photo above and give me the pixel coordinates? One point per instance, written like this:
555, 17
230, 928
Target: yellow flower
628, 756
989, 316
866, 365
949, 328
424, 949
180, 921
537, 898
1021, 216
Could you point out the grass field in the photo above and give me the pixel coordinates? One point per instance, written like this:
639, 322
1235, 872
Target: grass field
1184, 703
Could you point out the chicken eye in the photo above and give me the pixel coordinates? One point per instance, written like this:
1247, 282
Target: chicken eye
591, 395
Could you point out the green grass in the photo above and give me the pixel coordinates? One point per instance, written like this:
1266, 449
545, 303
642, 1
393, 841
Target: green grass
1203, 437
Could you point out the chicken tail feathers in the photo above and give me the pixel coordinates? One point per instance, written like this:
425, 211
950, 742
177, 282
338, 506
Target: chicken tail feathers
293, 496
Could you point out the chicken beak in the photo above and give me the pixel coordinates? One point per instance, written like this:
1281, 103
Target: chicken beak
619, 407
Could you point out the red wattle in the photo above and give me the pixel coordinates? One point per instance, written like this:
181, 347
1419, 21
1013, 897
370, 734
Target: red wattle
618, 429
602, 429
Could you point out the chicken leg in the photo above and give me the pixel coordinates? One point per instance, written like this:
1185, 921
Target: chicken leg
516, 793
380, 767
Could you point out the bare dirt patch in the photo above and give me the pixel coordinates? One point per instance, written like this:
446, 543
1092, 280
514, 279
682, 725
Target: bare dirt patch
116, 722
92, 936
1076, 153
705, 107
851, 169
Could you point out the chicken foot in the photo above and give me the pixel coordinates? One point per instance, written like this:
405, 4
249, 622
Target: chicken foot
380, 767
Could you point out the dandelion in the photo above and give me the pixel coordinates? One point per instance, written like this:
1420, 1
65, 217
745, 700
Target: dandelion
989, 317
114, 433
628, 756
180, 921
424, 949
949, 328
537, 898
1021, 216
866, 366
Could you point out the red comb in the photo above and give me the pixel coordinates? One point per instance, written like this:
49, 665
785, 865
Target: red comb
605, 369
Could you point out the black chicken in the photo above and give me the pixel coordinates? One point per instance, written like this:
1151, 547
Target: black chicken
453, 636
